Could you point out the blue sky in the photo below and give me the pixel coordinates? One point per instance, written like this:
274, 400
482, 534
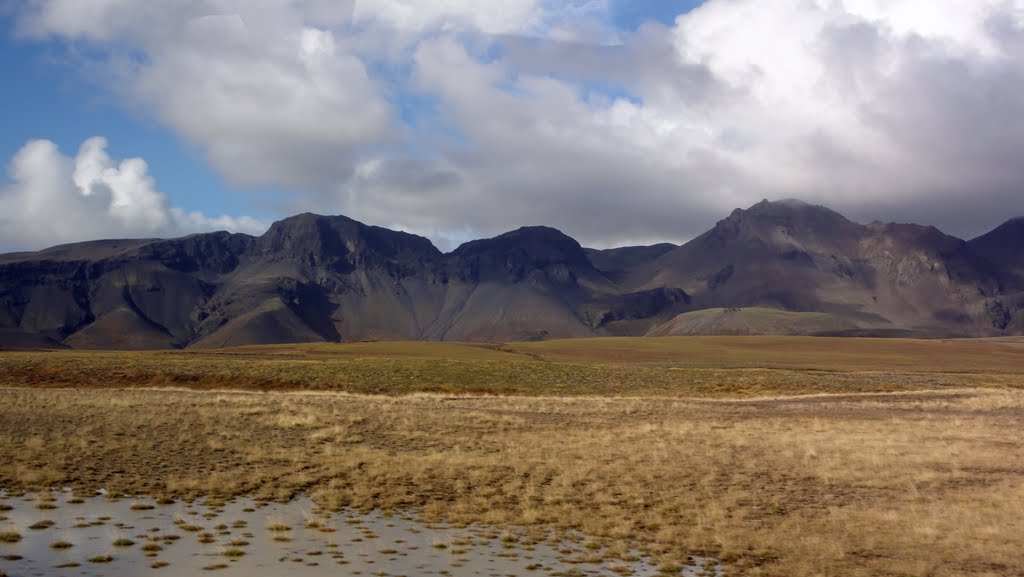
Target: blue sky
457, 119
48, 98
630, 14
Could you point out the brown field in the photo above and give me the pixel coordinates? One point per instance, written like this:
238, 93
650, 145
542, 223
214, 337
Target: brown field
673, 366
904, 460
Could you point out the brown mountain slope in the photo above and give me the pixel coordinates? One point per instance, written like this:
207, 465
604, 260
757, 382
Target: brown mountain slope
794, 256
752, 321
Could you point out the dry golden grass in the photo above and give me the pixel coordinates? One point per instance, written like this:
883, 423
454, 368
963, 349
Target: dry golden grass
673, 366
923, 483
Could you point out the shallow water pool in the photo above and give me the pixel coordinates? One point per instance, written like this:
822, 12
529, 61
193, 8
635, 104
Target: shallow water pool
133, 537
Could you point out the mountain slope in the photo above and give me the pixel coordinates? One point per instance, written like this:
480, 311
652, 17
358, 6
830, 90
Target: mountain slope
331, 278
794, 256
1004, 247
752, 321
315, 278
619, 263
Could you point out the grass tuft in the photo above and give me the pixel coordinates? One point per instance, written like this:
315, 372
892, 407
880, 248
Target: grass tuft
105, 558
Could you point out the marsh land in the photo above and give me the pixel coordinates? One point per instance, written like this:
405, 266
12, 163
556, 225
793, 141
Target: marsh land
776, 456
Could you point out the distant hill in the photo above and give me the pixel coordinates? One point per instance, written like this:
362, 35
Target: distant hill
313, 278
752, 321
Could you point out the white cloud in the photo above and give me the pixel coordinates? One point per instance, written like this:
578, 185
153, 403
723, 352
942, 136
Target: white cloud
563, 19
53, 199
506, 17
900, 105
454, 115
265, 88
857, 105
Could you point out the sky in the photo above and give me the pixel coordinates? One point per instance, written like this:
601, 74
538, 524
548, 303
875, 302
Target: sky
617, 121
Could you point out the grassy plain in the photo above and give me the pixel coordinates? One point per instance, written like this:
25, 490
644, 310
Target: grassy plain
671, 366
903, 460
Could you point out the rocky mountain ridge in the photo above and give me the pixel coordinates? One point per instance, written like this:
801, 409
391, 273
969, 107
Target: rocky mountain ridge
313, 278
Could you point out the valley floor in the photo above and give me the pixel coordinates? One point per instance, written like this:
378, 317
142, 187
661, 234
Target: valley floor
902, 471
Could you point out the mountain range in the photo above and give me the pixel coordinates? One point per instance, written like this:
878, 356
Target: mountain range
783, 267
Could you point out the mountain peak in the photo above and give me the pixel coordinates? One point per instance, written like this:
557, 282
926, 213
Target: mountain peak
530, 248
787, 205
535, 240
788, 218
318, 238
1004, 247
1011, 231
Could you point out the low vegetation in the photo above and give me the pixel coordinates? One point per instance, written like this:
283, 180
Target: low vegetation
910, 483
102, 559
10, 537
671, 366
913, 469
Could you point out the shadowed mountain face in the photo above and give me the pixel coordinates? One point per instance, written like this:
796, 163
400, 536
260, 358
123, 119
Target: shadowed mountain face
1004, 248
617, 263
315, 278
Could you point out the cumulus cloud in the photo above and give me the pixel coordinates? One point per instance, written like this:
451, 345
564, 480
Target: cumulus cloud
54, 199
895, 109
265, 87
455, 118
291, 112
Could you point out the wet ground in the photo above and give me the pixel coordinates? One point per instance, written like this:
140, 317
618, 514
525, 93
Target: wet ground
59, 534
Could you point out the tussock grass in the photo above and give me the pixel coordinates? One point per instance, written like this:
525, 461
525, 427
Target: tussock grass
10, 537
902, 482
100, 559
